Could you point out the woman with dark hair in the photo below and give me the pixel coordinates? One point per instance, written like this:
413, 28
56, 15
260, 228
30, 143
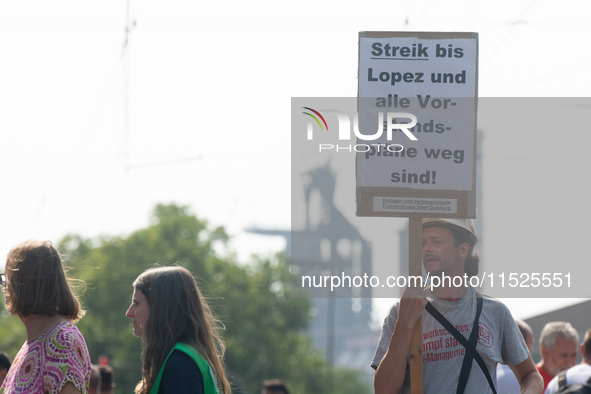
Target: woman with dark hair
54, 359
183, 351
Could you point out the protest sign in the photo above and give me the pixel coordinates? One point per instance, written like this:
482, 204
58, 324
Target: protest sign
419, 91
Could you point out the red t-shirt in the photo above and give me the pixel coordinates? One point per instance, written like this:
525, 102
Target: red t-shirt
547, 378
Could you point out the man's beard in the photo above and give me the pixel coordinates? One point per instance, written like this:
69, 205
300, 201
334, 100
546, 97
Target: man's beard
554, 370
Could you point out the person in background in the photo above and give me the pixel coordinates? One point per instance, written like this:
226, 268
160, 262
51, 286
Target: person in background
108, 379
95, 380
579, 373
558, 342
4, 365
183, 351
275, 386
506, 381
37, 290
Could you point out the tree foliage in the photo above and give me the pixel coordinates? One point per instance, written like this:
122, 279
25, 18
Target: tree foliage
262, 323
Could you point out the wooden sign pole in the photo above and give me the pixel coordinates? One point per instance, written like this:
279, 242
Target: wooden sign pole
415, 228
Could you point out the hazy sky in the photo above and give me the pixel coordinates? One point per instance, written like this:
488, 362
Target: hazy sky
208, 105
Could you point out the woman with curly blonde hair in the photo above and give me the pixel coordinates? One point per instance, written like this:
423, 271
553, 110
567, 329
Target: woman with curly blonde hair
183, 351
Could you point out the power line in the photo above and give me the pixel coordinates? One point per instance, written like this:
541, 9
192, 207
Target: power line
128, 28
502, 42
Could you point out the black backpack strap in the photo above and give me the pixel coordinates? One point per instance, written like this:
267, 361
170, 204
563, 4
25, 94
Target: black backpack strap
561, 380
460, 338
467, 363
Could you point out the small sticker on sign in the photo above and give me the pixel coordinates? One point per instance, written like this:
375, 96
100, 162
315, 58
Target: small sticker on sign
414, 205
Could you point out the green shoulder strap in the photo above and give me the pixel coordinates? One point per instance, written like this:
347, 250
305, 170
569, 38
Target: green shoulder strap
210, 383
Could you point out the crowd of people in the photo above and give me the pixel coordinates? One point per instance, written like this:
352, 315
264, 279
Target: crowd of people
486, 349
559, 347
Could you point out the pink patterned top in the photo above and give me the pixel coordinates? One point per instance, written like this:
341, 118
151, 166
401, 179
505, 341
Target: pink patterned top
46, 364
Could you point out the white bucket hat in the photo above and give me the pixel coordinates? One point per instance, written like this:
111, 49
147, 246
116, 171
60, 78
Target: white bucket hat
463, 224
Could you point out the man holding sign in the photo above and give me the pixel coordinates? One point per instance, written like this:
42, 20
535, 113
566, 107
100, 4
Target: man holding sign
465, 334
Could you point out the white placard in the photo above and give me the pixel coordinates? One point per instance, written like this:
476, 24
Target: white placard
427, 81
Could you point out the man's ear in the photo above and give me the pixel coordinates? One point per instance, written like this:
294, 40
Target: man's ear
464, 250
